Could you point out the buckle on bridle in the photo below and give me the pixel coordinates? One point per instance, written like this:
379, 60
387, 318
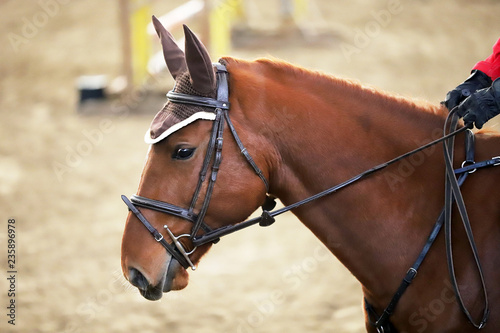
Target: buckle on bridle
158, 236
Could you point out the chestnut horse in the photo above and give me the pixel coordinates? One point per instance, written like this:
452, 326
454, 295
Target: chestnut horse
305, 132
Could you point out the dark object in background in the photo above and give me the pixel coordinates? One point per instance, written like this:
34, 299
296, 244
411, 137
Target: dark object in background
91, 87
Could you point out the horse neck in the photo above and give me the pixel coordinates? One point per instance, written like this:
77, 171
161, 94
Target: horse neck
320, 131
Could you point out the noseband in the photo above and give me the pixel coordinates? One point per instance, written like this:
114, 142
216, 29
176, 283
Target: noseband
214, 152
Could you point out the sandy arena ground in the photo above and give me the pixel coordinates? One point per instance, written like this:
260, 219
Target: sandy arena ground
69, 221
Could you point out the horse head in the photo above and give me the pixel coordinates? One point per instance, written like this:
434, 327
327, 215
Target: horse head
184, 142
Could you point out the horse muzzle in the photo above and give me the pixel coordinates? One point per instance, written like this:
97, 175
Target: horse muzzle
175, 278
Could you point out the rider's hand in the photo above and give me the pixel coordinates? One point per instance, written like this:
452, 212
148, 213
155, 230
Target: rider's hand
481, 106
477, 80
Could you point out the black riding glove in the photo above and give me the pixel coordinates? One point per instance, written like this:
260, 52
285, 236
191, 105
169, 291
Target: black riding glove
481, 106
477, 80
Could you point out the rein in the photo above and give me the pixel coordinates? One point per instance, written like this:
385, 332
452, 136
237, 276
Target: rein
214, 152
268, 216
453, 194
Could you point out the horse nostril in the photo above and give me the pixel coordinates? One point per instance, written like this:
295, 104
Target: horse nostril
137, 279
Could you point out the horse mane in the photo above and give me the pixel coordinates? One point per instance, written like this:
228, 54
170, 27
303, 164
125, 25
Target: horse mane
345, 86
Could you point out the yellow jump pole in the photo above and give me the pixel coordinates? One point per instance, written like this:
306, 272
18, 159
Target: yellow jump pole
127, 70
140, 44
220, 17
299, 10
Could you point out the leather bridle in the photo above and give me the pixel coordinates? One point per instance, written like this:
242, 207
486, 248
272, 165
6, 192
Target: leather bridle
214, 153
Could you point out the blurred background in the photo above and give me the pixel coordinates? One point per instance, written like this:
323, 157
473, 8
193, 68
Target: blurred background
78, 88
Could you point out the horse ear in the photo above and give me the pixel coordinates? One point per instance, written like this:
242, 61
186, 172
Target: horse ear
174, 57
199, 64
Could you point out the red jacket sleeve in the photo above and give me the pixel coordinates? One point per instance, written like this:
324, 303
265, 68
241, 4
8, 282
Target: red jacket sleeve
491, 65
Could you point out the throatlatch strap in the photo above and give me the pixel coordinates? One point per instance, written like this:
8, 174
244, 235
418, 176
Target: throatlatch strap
245, 153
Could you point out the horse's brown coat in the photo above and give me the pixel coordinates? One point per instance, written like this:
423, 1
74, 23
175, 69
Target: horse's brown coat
307, 132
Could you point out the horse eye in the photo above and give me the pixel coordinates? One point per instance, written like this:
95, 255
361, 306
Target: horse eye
183, 153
